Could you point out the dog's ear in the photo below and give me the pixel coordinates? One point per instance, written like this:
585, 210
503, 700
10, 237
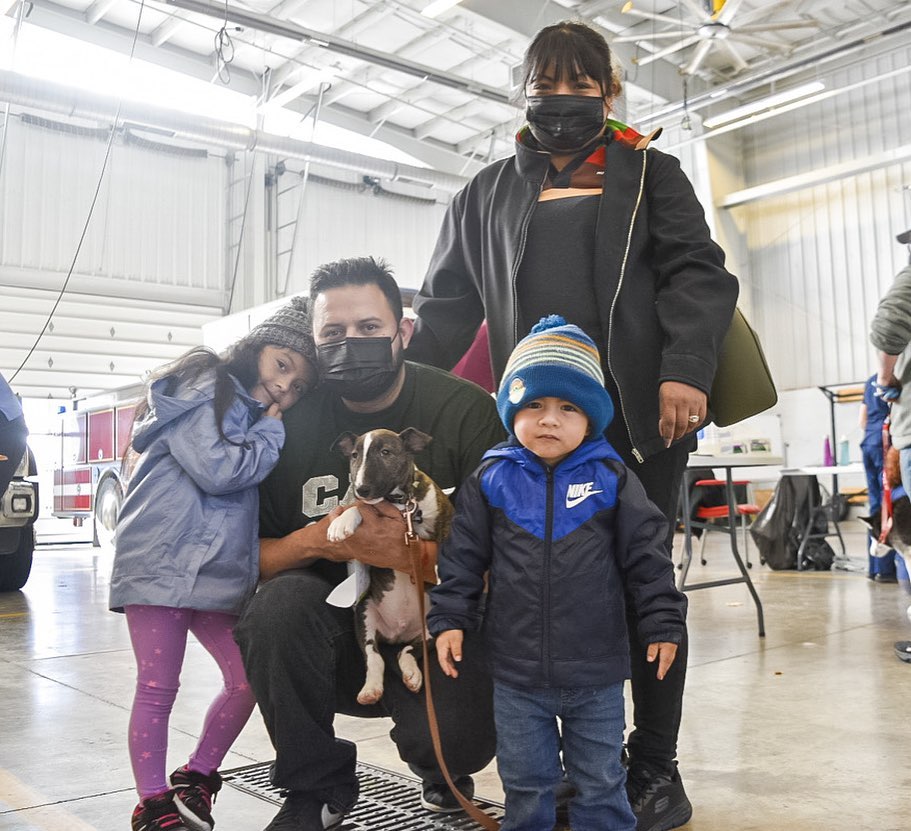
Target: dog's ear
414, 440
345, 443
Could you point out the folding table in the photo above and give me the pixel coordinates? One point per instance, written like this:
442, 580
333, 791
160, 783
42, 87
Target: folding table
730, 462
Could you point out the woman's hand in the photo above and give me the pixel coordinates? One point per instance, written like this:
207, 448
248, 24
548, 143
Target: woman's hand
665, 653
449, 650
681, 408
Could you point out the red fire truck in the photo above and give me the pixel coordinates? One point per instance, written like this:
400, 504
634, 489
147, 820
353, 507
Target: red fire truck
90, 478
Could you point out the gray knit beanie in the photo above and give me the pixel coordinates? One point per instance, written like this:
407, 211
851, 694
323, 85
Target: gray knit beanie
289, 326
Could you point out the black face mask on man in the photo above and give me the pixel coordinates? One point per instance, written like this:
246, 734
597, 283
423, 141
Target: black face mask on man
564, 123
358, 369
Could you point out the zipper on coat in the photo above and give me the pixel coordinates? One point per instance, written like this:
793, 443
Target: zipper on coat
545, 582
521, 253
610, 318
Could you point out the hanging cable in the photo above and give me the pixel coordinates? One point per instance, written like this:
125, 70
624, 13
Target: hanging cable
686, 122
243, 225
224, 51
88, 219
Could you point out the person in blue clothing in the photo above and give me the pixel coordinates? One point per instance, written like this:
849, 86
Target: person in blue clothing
873, 413
564, 530
187, 545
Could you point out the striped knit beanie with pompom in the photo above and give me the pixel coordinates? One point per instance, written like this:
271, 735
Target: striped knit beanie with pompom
558, 360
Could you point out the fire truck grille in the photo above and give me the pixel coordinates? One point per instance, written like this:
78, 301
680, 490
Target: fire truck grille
387, 801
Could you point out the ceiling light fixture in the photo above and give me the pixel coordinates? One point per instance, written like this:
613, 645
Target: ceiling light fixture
764, 104
437, 7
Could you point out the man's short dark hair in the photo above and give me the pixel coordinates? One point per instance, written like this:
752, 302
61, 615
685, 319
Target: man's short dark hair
358, 271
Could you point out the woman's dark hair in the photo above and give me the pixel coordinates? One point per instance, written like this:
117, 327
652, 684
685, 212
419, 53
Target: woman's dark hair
571, 49
240, 360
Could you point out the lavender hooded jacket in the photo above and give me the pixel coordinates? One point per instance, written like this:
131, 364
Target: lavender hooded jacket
188, 531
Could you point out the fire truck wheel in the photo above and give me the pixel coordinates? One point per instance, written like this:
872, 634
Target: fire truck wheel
107, 507
16, 567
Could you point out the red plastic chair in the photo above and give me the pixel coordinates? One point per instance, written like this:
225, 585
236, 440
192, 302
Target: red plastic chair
705, 516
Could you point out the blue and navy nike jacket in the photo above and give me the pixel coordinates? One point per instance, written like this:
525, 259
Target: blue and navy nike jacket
565, 549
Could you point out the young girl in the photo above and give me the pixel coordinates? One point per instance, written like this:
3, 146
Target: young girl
187, 552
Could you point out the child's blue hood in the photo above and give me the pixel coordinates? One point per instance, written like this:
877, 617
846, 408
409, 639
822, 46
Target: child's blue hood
168, 401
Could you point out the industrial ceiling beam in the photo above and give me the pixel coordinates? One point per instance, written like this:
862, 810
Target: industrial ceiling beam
64, 21
292, 31
662, 79
23, 91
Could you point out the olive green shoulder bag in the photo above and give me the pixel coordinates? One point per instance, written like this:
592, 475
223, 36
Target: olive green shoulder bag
743, 385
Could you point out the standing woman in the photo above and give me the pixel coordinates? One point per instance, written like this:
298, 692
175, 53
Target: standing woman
586, 222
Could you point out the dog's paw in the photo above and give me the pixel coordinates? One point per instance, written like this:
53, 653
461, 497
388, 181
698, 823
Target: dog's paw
344, 526
369, 694
414, 681
411, 672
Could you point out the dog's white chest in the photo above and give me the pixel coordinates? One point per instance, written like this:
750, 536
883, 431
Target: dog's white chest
398, 617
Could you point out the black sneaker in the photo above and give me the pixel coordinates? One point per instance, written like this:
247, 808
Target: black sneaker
194, 794
438, 798
304, 812
157, 813
658, 799
903, 651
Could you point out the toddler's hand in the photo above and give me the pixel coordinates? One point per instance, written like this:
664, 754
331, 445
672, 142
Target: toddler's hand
665, 653
274, 411
449, 649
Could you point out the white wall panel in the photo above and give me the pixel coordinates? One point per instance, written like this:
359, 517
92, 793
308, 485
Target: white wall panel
159, 218
339, 223
821, 257
149, 274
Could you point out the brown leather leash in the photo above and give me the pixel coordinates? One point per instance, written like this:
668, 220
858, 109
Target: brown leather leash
416, 545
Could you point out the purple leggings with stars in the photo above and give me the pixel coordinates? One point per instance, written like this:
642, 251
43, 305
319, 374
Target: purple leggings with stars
159, 637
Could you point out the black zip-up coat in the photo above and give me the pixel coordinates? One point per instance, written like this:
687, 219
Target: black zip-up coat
664, 297
564, 547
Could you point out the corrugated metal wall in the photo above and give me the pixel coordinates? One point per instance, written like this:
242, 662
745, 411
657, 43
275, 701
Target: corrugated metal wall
159, 218
160, 256
351, 221
821, 257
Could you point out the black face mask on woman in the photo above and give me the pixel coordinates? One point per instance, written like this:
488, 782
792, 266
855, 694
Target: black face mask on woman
358, 369
564, 123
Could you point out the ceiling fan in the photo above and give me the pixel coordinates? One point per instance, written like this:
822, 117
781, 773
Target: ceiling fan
706, 24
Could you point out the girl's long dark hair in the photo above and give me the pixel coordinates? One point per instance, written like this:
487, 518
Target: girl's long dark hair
241, 361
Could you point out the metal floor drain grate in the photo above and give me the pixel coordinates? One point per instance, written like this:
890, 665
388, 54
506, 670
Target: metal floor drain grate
388, 801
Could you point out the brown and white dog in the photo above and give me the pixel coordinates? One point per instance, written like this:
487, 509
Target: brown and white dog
382, 467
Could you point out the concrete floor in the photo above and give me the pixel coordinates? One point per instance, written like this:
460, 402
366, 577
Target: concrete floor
805, 730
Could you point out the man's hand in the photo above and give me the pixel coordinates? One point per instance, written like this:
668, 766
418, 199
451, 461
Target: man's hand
378, 541
681, 408
449, 650
665, 653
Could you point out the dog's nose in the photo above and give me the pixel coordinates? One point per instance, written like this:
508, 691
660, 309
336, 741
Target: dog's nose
363, 491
